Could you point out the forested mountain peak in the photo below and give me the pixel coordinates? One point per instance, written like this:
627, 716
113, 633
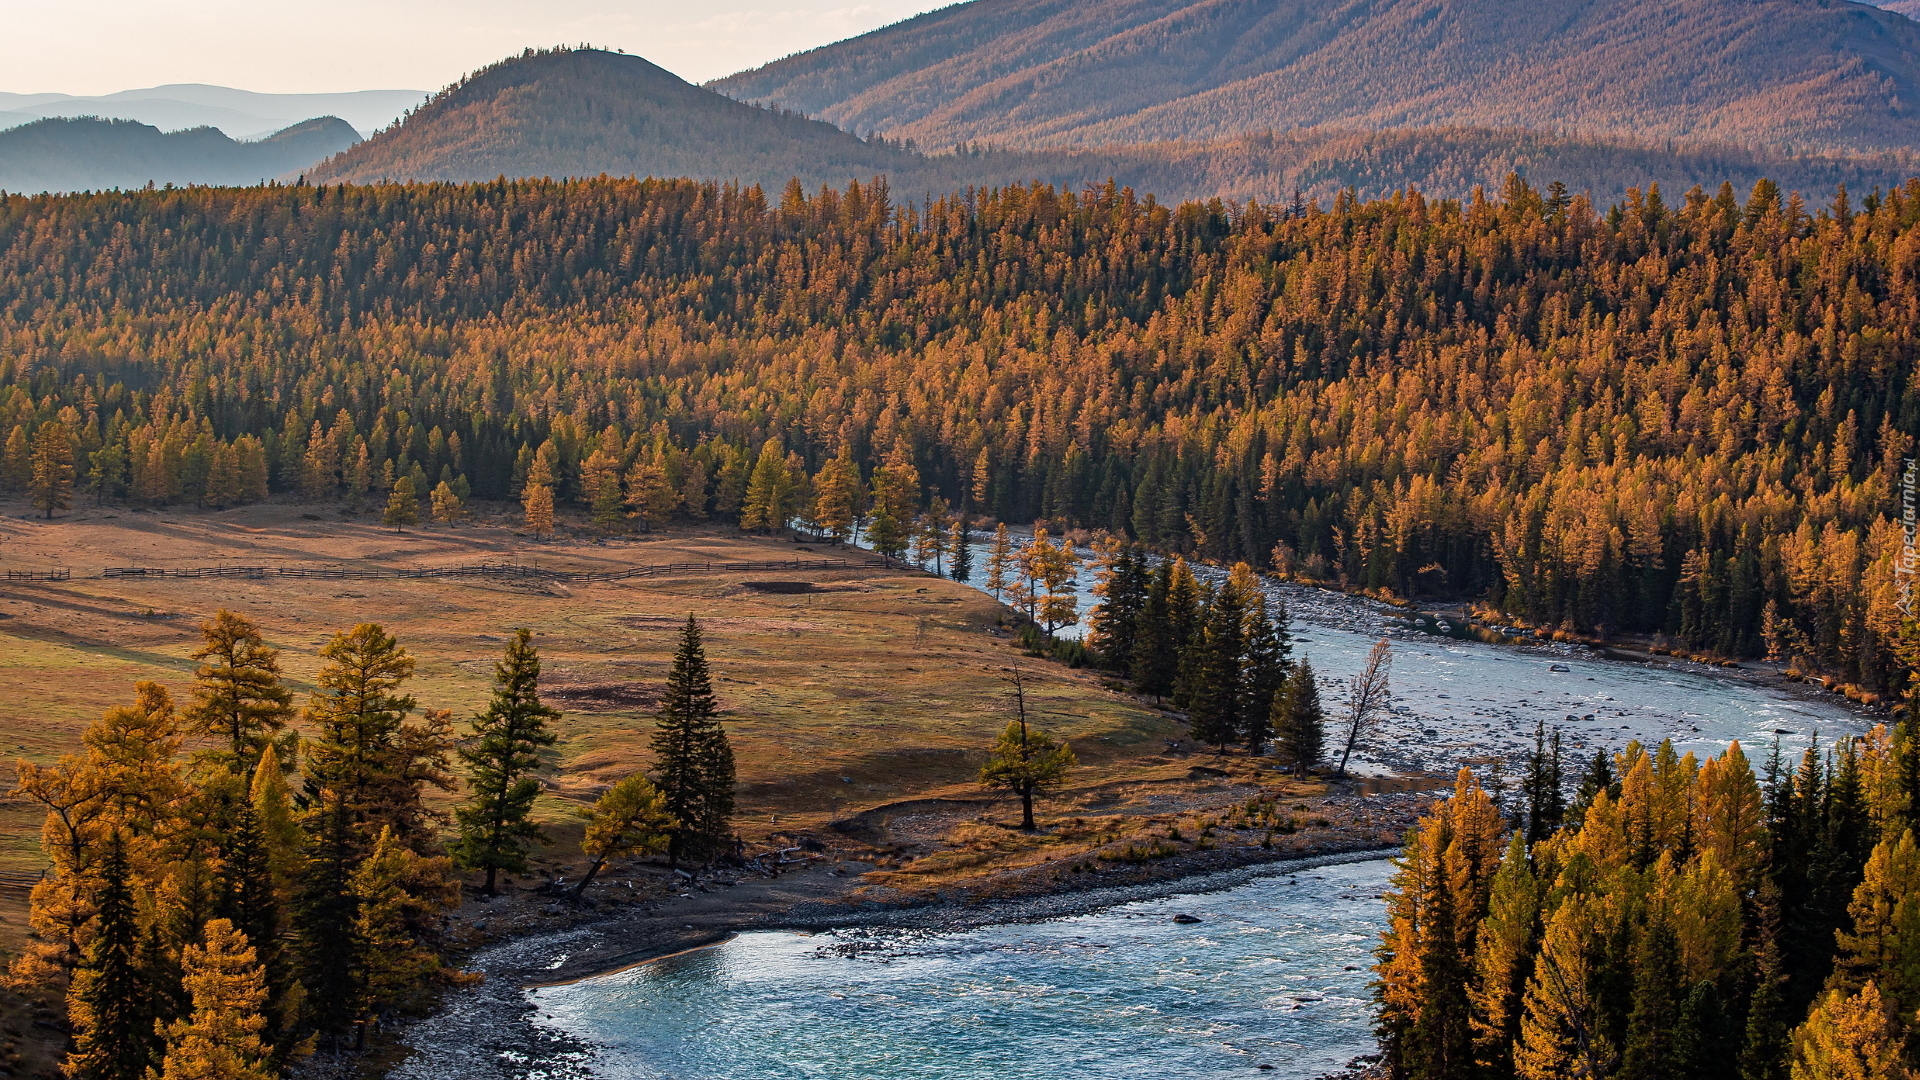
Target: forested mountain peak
1804, 74
583, 112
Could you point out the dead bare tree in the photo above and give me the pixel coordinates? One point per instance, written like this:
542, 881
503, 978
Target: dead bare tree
1367, 698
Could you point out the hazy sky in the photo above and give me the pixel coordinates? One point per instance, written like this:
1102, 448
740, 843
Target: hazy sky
315, 46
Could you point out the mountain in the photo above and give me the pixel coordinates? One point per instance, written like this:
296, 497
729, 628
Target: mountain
89, 153
241, 114
582, 112
1798, 74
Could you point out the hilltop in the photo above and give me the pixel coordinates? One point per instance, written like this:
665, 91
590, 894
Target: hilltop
1800, 74
583, 112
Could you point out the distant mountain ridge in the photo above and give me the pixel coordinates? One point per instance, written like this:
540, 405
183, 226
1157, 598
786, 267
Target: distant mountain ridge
93, 154
240, 114
1799, 74
582, 112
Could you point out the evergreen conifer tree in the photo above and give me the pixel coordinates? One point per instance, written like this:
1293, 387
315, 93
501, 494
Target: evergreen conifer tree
1546, 802
692, 760
1213, 668
109, 1003
1122, 580
1156, 646
1299, 723
494, 824
960, 548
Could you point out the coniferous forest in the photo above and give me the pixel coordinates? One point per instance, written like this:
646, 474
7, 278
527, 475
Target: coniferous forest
1682, 415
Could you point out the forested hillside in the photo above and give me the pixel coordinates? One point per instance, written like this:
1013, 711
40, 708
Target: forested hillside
1800, 74
584, 112
1682, 415
90, 154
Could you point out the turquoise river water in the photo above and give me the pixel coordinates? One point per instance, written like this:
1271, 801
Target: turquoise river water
1274, 973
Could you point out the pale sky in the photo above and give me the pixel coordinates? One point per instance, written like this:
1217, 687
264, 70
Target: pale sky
89, 47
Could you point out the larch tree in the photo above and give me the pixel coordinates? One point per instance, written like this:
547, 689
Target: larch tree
692, 760
222, 1038
630, 818
50, 487
403, 507
1000, 563
769, 502
495, 823
446, 504
238, 697
1025, 760
1368, 697
837, 495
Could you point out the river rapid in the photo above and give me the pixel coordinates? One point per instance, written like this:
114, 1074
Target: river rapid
1272, 980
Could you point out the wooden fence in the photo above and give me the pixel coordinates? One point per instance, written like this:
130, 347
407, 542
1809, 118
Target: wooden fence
492, 570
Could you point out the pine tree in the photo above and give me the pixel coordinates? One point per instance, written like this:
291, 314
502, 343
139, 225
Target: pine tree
960, 547
1546, 803
1024, 760
109, 1003
630, 818
1656, 1002
692, 760
1299, 724
403, 509
50, 486
1156, 645
107, 476
494, 825
1213, 667
238, 696
1121, 581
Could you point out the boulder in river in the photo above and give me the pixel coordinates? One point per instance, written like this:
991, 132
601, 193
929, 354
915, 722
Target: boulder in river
1183, 917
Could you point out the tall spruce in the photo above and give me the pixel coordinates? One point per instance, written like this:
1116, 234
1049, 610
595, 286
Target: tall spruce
1299, 722
1546, 801
110, 1004
495, 824
1212, 669
692, 760
960, 549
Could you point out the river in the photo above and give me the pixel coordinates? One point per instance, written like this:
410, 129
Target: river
1276, 971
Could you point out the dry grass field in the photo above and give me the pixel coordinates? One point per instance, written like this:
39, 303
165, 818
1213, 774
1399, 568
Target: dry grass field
873, 686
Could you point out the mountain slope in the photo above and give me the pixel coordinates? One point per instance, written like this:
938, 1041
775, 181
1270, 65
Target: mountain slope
582, 112
1789, 73
89, 153
241, 114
